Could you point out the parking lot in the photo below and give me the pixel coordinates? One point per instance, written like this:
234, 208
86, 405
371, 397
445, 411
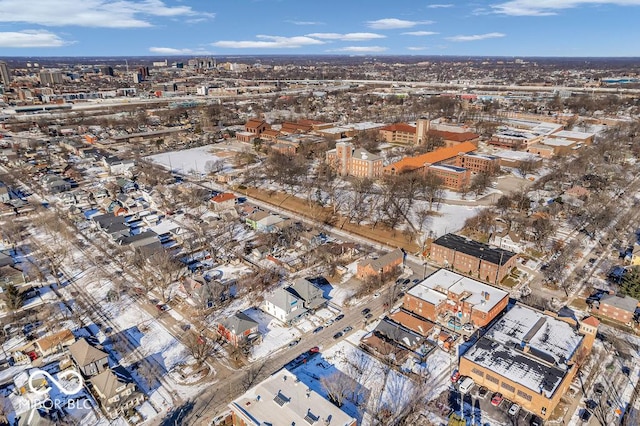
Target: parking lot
479, 410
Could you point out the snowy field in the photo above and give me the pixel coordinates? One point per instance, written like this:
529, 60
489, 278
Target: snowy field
188, 161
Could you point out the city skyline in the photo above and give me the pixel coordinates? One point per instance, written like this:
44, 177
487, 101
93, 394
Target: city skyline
560, 28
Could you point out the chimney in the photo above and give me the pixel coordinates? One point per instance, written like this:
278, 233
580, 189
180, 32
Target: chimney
486, 295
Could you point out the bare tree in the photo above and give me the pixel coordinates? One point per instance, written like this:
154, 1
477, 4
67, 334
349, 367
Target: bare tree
199, 346
163, 271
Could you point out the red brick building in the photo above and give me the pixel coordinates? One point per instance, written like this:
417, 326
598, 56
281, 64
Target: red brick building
446, 293
382, 265
618, 308
472, 257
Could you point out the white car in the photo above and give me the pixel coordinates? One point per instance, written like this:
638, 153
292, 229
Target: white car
514, 409
376, 295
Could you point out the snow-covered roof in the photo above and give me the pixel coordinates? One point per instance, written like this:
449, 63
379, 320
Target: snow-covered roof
572, 134
516, 155
528, 347
481, 296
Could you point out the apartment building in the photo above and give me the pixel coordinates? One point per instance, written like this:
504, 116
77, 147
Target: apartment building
472, 257
446, 293
400, 133
617, 308
531, 357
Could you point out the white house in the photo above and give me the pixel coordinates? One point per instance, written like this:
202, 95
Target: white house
283, 306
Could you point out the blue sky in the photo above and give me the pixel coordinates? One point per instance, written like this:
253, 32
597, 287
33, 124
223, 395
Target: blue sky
349, 27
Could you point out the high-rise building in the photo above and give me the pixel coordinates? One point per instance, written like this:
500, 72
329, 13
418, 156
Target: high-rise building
5, 75
48, 77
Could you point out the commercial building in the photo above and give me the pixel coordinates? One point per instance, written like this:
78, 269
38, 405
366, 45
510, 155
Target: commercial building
445, 294
283, 399
5, 75
531, 357
420, 162
400, 133
349, 161
472, 257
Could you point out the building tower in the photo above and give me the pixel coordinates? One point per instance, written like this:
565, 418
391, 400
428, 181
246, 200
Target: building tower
5, 75
422, 128
344, 150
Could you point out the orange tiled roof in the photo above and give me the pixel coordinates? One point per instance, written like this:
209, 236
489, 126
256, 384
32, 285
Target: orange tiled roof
225, 196
400, 127
454, 136
442, 154
592, 321
253, 124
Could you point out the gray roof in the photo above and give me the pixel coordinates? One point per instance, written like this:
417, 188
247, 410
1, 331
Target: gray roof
398, 334
385, 260
282, 299
625, 303
84, 354
110, 380
239, 323
312, 295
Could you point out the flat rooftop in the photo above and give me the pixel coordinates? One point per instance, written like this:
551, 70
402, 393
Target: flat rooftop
482, 296
528, 347
483, 251
282, 399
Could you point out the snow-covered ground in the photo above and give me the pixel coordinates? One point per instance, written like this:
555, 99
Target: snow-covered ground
275, 335
189, 161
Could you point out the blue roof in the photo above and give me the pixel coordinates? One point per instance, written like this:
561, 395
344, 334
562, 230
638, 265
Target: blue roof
90, 213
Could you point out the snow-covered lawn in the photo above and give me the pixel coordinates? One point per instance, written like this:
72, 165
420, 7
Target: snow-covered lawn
189, 160
275, 335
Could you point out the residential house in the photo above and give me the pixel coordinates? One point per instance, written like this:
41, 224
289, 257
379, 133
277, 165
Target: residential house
382, 347
311, 295
412, 322
618, 308
90, 360
284, 399
349, 161
635, 255
11, 275
116, 392
54, 184
223, 201
508, 240
117, 166
380, 266
263, 221
284, 306
5, 259
452, 300
472, 257
400, 335
54, 342
531, 357
239, 329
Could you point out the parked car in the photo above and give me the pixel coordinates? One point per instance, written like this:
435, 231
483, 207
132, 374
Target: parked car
466, 385
376, 295
514, 409
329, 322
482, 392
318, 329
339, 317
314, 350
598, 389
368, 316
535, 421
338, 335
365, 311
585, 415
294, 342
32, 355
347, 329
162, 307
496, 399
455, 376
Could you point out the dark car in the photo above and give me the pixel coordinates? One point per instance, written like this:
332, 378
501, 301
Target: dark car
482, 392
585, 415
338, 335
598, 389
368, 316
535, 421
318, 330
365, 311
339, 317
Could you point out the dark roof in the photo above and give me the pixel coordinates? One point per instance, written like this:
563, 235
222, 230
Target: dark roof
476, 249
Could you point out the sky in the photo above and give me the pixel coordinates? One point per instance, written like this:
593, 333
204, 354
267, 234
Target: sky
558, 28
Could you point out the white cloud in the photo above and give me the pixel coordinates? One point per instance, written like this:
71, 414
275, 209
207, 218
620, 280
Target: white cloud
439, 6
346, 37
92, 13
394, 23
30, 38
305, 22
269, 42
173, 51
475, 37
420, 33
417, 48
551, 7
360, 49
